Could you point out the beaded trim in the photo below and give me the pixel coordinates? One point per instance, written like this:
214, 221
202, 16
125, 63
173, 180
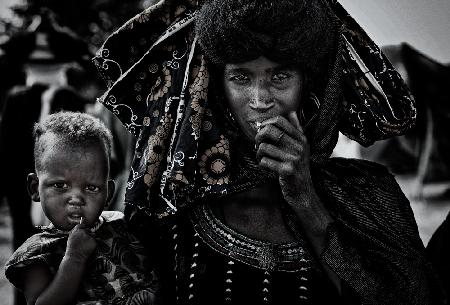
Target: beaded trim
93, 229
289, 257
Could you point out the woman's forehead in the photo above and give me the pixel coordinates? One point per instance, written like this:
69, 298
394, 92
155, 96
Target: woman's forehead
260, 64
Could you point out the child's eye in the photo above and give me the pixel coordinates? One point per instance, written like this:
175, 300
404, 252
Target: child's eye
280, 76
93, 188
60, 185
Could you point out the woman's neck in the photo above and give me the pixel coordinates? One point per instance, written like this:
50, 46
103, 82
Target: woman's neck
255, 213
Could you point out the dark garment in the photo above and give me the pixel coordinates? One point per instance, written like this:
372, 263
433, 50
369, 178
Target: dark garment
247, 271
374, 244
119, 271
22, 110
373, 247
438, 251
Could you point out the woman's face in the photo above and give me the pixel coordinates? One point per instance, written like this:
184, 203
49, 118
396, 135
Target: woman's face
260, 89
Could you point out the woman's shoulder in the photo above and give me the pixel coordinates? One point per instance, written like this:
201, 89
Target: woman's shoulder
356, 175
348, 168
363, 182
365, 196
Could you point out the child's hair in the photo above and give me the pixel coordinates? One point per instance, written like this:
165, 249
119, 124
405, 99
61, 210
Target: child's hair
76, 128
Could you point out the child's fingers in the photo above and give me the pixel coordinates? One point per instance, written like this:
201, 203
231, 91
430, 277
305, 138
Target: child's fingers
83, 223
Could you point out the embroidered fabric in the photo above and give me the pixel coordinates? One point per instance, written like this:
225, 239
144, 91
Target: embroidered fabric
289, 257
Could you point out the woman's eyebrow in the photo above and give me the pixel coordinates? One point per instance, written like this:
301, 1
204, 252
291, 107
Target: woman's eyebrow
284, 67
236, 70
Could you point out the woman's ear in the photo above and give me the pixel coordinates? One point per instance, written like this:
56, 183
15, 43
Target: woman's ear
111, 190
33, 187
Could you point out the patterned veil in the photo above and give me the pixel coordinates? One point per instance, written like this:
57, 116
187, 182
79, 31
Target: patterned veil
158, 81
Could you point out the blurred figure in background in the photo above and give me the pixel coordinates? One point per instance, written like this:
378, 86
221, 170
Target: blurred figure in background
46, 90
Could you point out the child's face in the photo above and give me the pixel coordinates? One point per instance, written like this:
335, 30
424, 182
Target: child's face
72, 183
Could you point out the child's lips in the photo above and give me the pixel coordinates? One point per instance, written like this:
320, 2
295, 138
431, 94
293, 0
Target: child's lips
75, 216
75, 213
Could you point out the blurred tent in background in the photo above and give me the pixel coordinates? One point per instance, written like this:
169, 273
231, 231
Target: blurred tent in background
424, 152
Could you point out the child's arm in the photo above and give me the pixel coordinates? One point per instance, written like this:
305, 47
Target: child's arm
41, 289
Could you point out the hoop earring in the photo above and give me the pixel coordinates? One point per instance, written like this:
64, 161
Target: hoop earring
311, 109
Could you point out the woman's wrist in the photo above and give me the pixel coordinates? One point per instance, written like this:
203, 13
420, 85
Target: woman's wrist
314, 219
310, 211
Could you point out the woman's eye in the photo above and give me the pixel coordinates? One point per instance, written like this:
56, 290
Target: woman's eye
239, 78
280, 76
93, 188
60, 185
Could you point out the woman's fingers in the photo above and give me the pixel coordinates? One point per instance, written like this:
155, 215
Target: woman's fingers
282, 168
293, 118
271, 164
269, 134
287, 135
279, 123
273, 152
290, 125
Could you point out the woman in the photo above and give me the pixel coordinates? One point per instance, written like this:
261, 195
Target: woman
237, 106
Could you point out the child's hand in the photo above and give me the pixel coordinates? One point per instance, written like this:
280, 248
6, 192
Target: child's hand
80, 244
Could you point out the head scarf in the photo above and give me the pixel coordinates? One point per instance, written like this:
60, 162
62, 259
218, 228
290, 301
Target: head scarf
158, 82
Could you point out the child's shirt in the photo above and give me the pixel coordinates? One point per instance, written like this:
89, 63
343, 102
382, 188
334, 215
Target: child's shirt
118, 272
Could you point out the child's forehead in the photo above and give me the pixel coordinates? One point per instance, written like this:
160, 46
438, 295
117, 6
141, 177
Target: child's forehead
54, 144
52, 140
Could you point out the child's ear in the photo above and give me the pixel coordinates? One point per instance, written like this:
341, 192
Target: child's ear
33, 187
111, 190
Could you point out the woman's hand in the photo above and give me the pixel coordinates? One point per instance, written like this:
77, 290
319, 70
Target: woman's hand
80, 244
283, 148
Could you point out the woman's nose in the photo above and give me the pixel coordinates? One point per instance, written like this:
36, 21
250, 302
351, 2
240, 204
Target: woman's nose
260, 98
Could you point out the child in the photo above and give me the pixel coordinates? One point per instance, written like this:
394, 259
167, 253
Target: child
84, 255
